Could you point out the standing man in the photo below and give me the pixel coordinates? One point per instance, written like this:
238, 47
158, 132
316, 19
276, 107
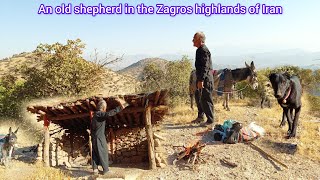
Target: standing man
98, 138
204, 74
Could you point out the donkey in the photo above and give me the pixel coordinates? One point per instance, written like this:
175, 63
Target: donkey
7, 146
236, 75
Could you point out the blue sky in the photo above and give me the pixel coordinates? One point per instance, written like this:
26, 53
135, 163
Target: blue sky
22, 29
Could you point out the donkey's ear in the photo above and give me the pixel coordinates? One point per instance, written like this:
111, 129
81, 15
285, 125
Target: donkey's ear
10, 131
16, 130
287, 75
252, 65
272, 76
246, 65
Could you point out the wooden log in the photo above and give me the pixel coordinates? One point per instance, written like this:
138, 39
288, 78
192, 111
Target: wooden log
164, 94
46, 142
40, 152
157, 136
152, 161
93, 104
69, 116
82, 106
156, 98
160, 108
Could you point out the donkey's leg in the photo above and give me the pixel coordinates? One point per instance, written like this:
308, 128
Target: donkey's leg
192, 100
262, 102
10, 153
224, 101
4, 156
227, 102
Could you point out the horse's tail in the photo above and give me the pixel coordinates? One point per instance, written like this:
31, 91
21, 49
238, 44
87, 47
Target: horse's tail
192, 86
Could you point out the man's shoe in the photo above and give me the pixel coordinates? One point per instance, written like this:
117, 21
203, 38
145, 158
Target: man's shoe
207, 125
198, 120
107, 172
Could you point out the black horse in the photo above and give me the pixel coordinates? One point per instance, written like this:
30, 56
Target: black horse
236, 75
7, 146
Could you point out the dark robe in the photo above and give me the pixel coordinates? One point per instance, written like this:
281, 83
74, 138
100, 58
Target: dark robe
98, 138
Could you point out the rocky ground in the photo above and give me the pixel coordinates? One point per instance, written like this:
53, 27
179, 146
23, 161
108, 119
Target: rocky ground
250, 163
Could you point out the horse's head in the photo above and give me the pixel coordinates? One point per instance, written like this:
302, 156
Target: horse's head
12, 137
252, 78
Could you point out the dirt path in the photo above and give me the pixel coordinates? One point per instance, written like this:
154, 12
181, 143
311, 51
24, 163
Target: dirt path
251, 164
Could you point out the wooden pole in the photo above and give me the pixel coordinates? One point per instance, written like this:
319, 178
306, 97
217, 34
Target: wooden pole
90, 144
89, 132
152, 159
46, 141
268, 155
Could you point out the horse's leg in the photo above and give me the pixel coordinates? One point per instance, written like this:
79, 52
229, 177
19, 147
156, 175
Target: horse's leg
227, 102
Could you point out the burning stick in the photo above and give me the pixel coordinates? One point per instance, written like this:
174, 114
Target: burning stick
191, 152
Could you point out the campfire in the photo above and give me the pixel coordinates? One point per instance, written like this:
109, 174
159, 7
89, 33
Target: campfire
191, 153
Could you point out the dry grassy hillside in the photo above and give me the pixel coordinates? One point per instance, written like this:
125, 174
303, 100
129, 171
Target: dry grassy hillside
135, 70
9, 65
114, 83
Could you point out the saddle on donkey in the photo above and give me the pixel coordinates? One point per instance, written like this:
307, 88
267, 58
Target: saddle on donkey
225, 81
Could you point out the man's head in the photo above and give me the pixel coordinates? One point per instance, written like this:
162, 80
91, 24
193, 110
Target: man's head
198, 39
102, 105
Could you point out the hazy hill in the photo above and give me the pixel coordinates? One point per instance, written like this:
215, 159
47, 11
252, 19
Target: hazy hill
223, 59
135, 69
114, 83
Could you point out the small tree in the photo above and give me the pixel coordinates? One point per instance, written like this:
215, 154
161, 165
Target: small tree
153, 77
178, 73
175, 77
62, 71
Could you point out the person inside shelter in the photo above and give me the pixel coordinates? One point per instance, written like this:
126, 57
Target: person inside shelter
98, 138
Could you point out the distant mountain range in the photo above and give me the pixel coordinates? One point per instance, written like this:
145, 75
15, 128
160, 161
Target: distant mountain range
296, 57
135, 69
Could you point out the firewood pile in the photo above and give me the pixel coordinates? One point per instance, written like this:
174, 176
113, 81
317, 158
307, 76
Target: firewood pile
192, 154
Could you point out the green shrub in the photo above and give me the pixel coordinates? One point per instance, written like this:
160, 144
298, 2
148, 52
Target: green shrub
175, 78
